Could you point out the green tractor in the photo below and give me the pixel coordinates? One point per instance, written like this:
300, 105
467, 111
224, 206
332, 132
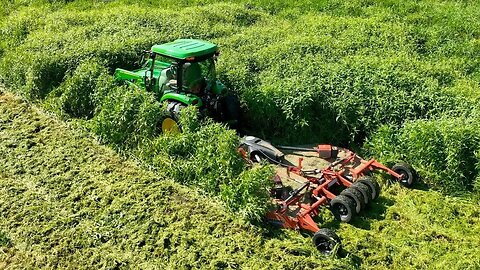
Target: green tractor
182, 73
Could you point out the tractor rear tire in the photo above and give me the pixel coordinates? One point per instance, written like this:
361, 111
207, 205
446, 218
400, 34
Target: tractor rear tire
327, 242
407, 172
343, 208
170, 120
357, 197
364, 189
231, 111
372, 185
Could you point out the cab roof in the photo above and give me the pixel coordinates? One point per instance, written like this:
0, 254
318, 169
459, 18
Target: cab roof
185, 48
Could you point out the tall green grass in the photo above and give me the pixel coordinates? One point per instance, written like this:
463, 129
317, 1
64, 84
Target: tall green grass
65, 66
309, 71
444, 151
345, 80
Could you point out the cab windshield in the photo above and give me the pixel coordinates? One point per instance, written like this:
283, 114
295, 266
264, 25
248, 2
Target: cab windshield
208, 69
197, 76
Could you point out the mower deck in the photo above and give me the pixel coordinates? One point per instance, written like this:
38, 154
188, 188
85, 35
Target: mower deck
309, 178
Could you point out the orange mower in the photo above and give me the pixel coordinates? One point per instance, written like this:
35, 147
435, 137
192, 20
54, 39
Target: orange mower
347, 172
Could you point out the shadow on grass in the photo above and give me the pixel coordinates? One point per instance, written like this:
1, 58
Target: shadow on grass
375, 210
419, 184
343, 253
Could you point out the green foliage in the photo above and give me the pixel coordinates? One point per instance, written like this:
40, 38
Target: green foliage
82, 92
444, 151
4, 240
127, 117
306, 71
340, 84
205, 156
248, 193
68, 202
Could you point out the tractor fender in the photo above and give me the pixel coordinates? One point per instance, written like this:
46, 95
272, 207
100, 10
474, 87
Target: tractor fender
187, 99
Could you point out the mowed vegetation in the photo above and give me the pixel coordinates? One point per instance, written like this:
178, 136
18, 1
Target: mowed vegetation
68, 202
399, 79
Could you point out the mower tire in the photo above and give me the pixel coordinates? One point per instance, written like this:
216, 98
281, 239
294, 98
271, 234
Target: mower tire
372, 185
364, 189
343, 208
357, 197
407, 172
327, 242
170, 120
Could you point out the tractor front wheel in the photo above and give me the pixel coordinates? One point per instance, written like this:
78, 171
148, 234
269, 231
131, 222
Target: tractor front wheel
170, 121
327, 241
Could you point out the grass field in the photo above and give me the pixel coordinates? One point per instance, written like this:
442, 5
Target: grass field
69, 202
393, 79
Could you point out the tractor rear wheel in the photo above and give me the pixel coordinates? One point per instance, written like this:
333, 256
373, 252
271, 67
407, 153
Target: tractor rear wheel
357, 197
170, 121
407, 172
343, 208
372, 185
231, 110
327, 241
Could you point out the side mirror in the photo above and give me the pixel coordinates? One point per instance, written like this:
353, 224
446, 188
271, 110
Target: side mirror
143, 63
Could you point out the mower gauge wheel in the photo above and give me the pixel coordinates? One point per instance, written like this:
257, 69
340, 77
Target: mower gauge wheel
364, 189
372, 186
356, 196
327, 242
407, 172
343, 208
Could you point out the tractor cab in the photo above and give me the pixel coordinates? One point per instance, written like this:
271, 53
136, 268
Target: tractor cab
182, 70
192, 66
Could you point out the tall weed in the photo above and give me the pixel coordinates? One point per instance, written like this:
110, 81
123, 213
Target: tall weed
444, 151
